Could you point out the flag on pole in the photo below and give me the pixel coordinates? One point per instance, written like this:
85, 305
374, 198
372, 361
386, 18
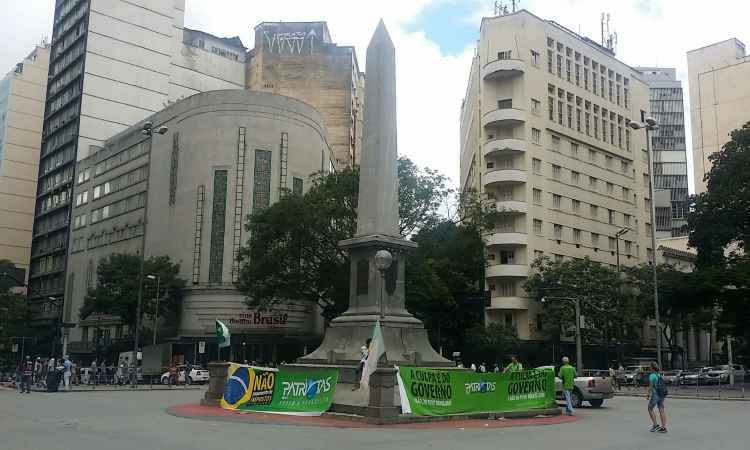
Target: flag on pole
374, 352
222, 334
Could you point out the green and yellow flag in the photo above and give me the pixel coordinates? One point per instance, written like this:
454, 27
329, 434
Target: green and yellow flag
223, 336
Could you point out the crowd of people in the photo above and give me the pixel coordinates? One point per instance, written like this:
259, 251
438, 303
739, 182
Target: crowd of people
513, 366
65, 373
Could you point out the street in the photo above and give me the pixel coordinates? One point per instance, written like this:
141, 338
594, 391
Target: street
137, 420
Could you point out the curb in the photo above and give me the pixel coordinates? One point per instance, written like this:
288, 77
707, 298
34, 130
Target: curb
688, 397
407, 419
107, 389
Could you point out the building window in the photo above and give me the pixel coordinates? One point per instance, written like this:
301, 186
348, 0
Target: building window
505, 193
297, 186
612, 243
536, 106
648, 229
507, 257
557, 231
262, 180
536, 136
595, 240
627, 139
646, 181
574, 150
537, 196
549, 61
551, 107
559, 66
578, 74
592, 156
556, 171
575, 177
535, 58
560, 113
588, 123
506, 103
507, 289
570, 116
507, 54
218, 222
536, 165
608, 161
537, 227
556, 201
628, 247
576, 235
612, 216
506, 225
610, 188
586, 78
625, 167
593, 182
594, 211
625, 194
626, 219
576, 205
567, 70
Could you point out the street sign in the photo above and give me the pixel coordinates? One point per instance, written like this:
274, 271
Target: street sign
201, 347
15, 348
139, 356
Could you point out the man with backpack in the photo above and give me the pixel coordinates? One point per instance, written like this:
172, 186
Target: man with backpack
657, 392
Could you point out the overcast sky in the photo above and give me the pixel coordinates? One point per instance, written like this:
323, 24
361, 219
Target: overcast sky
434, 42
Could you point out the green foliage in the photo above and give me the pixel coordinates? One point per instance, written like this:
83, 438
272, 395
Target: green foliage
445, 282
13, 314
293, 248
491, 344
611, 316
116, 291
721, 215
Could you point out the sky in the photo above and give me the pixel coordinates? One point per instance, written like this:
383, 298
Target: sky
434, 42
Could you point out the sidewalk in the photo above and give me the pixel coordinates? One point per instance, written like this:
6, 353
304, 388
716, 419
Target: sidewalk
113, 388
737, 393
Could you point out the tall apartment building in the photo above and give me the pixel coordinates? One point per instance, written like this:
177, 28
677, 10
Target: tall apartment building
669, 151
718, 75
299, 60
543, 134
22, 93
112, 63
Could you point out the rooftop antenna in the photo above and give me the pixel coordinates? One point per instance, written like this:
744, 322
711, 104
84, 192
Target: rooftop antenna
501, 8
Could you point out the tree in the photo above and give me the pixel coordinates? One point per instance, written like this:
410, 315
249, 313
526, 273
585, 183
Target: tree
721, 215
610, 314
13, 312
116, 290
489, 344
293, 248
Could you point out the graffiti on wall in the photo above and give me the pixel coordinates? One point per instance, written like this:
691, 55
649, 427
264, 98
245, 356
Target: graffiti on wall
291, 42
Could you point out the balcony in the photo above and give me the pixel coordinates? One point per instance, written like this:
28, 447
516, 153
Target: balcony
502, 68
503, 117
512, 206
517, 303
507, 239
504, 176
507, 270
503, 145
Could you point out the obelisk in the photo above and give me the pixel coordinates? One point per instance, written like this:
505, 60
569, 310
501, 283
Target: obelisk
377, 293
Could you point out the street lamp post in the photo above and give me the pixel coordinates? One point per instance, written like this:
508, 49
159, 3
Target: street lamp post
148, 130
383, 261
618, 235
579, 347
156, 316
649, 124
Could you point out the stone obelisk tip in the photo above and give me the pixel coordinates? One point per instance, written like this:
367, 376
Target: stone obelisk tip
381, 36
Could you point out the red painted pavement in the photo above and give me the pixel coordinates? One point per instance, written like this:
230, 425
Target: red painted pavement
196, 411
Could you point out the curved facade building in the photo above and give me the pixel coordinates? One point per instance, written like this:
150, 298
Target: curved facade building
225, 155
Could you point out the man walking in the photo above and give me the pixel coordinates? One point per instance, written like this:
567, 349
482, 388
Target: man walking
27, 370
67, 372
93, 374
567, 374
657, 392
188, 369
514, 365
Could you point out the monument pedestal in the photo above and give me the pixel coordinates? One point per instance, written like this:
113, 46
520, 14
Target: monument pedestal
376, 296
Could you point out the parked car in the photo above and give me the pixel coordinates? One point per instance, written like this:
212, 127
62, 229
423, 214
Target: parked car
592, 389
696, 376
197, 375
721, 374
635, 375
673, 377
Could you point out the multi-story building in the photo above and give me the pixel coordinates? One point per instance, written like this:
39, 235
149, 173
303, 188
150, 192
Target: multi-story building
669, 151
718, 75
22, 93
544, 134
168, 196
298, 59
112, 63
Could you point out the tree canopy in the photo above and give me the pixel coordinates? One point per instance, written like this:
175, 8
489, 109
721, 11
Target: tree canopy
13, 312
116, 290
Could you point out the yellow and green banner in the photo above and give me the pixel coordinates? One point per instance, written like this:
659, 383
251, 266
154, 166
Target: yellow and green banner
281, 391
435, 392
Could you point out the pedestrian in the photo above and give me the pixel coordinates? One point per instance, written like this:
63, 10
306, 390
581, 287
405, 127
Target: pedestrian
67, 372
364, 352
37, 370
121, 371
496, 369
613, 377
482, 368
172, 374
93, 373
27, 371
620, 376
514, 366
473, 367
188, 371
657, 392
131, 374
567, 374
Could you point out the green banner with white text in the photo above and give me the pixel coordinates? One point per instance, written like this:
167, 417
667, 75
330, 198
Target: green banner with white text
282, 391
435, 392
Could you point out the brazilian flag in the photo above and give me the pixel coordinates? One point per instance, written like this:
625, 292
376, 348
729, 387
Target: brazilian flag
223, 336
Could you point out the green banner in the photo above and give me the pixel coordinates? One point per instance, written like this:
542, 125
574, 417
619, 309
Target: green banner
282, 391
434, 392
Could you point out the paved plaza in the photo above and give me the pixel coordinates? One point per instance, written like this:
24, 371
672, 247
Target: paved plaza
137, 420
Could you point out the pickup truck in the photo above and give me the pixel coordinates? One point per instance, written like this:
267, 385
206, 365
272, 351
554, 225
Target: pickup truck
593, 389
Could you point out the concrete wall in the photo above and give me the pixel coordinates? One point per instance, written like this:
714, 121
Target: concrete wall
204, 136
300, 61
719, 99
22, 93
